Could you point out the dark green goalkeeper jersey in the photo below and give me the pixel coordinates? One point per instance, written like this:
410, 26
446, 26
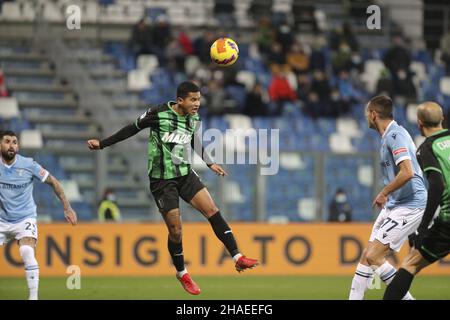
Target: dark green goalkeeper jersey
434, 154
170, 140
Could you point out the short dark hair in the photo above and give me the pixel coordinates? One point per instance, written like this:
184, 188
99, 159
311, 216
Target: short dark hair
7, 133
185, 87
383, 106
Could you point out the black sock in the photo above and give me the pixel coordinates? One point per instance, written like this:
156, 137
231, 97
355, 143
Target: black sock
223, 232
176, 252
399, 286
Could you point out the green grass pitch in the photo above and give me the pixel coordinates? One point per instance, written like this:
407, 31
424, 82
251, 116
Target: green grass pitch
217, 288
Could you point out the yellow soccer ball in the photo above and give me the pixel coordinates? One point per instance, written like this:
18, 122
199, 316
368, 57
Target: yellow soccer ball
224, 52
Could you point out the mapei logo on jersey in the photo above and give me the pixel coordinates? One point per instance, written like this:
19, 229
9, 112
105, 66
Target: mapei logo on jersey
176, 138
400, 150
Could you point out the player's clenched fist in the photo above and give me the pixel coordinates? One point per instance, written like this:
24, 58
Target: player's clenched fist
93, 144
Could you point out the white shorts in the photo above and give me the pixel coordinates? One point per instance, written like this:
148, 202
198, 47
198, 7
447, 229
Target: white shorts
393, 226
22, 229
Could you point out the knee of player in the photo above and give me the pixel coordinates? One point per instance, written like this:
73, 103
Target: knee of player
413, 262
363, 258
374, 259
212, 210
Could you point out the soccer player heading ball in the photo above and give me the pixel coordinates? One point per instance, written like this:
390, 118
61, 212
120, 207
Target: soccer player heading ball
174, 126
17, 207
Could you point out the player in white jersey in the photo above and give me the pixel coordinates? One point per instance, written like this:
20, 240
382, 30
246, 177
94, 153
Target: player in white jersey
402, 200
17, 207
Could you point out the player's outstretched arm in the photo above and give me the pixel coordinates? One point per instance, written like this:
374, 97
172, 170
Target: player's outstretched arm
122, 134
69, 213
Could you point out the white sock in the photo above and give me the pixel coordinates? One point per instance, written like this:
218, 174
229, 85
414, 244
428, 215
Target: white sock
181, 273
236, 257
31, 270
361, 281
387, 273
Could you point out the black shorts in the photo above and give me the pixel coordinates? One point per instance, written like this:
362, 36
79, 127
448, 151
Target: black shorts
167, 191
436, 243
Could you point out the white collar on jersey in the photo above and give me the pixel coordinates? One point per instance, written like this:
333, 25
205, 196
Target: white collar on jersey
387, 128
10, 165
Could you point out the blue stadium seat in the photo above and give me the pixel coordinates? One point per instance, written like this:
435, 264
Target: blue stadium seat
262, 123
238, 94
218, 123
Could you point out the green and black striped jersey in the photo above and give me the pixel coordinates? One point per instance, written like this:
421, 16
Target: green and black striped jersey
434, 154
169, 142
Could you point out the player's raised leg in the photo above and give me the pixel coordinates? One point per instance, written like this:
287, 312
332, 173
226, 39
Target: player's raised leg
203, 202
175, 245
27, 247
401, 283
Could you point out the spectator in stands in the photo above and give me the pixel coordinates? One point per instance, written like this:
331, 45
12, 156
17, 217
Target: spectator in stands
338, 105
384, 84
317, 58
348, 36
162, 35
298, 59
313, 106
3, 90
319, 97
347, 90
276, 56
397, 59
342, 59
186, 43
141, 39
303, 87
265, 36
284, 36
175, 55
108, 209
445, 51
280, 90
320, 85
256, 102
202, 44
340, 209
